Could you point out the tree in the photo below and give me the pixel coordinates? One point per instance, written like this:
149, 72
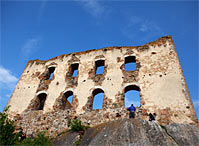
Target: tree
8, 136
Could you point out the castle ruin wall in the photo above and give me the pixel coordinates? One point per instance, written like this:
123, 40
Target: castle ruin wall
158, 77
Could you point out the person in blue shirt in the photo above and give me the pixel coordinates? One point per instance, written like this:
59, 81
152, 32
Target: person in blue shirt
132, 110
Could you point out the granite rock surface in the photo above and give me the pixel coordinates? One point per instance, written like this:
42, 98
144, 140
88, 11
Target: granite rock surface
133, 132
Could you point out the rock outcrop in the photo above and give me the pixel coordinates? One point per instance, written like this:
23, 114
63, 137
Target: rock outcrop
133, 132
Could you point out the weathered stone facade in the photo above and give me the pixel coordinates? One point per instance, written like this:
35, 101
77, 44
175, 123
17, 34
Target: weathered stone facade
40, 102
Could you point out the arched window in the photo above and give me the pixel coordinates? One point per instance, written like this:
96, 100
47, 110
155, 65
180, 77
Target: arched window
41, 98
132, 96
130, 63
98, 97
67, 100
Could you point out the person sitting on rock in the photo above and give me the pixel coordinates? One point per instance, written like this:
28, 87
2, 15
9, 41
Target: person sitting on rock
152, 117
132, 110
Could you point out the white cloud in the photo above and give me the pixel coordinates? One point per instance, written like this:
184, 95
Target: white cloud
196, 102
41, 8
141, 29
30, 46
6, 76
8, 95
94, 7
7, 84
129, 102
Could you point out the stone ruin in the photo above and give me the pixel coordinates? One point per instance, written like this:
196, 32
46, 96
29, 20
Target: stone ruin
39, 101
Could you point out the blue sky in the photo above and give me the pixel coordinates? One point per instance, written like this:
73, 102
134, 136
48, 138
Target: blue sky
48, 28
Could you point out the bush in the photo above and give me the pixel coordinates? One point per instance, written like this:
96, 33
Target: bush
7, 127
76, 125
39, 140
8, 136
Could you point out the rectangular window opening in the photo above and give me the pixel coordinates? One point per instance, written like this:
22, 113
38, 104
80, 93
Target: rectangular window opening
99, 67
51, 71
130, 63
75, 69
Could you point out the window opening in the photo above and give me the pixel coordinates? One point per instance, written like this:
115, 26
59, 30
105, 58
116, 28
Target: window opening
67, 100
75, 69
99, 65
132, 96
51, 71
130, 63
70, 99
42, 98
98, 97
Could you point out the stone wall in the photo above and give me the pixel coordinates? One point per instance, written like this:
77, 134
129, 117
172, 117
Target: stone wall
40, 102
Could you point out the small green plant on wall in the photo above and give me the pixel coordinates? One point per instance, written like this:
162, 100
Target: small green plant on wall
39, 140
76, 125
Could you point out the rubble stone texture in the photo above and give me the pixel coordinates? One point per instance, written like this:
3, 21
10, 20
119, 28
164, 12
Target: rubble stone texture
39, 102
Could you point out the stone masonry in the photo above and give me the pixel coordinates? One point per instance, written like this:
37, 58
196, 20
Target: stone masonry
40, 103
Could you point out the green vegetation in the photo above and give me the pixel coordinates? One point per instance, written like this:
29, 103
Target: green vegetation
9, 136
78, 142
76, 125
7, 127
39, 140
